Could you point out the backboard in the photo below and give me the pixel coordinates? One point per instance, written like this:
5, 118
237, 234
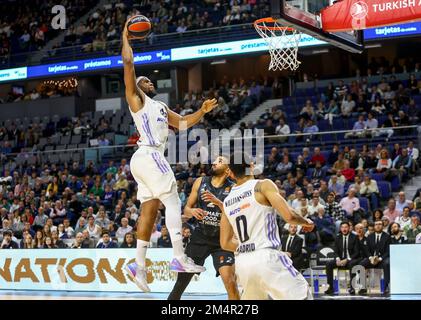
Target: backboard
303, 15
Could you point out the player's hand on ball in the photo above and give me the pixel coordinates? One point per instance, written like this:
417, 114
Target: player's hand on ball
199, 214
209, 105
126, 33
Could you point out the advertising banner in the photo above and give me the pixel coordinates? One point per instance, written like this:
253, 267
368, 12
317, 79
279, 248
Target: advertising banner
405, 269
348, 15
94, 270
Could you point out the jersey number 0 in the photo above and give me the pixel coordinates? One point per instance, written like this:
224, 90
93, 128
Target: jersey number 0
242, 234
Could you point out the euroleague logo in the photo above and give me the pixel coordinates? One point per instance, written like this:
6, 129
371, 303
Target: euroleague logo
359, 10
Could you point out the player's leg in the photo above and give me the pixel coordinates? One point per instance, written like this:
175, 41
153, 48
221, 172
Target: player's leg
198, 253
137, 270
166, 191
248, 276
228, 278
281, 280
223, 262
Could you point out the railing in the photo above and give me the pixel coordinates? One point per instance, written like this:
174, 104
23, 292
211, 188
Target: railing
152, 43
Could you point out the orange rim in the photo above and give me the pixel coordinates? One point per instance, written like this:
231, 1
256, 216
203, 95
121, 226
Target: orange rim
259, 24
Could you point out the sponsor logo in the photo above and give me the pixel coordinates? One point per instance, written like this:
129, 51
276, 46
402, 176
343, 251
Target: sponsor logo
359, 10
240, 208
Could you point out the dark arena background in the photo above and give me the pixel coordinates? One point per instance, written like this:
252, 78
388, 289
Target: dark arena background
331, 113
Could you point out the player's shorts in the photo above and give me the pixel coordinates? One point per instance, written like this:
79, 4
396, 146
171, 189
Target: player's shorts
200, 251
153, 174
268, 273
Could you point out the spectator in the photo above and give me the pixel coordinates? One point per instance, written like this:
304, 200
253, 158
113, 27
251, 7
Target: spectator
58, 213
314, 206
129, 241
93, 229
106, 242
404, 220
347, 255
78, 242
347, 106
40, 219
62, 234
348, 172
384, 164
392, 212
57, 242
102, 220
48, 244
7, 242
401, 202
283, 130
378, 249
123, 229
335, 186
325, 226
411, 231
351, 205
402, 165
164, 241
155, 236
68, 229
396, 234
317, 157
292, 245
369, 189
358, 130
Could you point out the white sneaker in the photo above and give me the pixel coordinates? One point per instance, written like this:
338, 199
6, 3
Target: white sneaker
185, 264
138, 275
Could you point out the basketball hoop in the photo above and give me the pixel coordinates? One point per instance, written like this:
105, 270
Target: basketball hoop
282, 42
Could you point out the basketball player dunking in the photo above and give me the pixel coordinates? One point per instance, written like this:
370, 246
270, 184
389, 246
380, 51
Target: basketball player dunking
248, 212
150, 169
205, 238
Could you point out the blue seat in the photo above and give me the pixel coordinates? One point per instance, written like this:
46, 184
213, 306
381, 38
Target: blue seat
365, 204
385, 189
396, 184
377, 176
309, 172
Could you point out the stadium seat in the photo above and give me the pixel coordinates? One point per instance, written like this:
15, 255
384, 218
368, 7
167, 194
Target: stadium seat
385, 189
364, 203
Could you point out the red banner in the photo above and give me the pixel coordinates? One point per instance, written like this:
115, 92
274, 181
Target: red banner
346, 15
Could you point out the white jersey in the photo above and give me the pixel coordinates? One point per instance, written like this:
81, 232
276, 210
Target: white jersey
152, 123
254, 224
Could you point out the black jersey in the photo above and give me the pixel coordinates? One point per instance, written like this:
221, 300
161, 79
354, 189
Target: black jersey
208, 229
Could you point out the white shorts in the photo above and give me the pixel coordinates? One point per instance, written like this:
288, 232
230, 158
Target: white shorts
268, 273
153, 174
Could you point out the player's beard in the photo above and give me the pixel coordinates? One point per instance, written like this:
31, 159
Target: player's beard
151, 93
216, 173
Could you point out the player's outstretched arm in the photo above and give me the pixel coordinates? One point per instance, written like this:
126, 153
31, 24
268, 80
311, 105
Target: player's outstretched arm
226, 235
270, 191
185, 122
134, 96
190, 209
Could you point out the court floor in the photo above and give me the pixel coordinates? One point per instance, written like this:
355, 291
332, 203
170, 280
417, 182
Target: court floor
60, 295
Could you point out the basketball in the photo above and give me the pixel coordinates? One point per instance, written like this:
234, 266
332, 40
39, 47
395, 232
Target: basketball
139, 26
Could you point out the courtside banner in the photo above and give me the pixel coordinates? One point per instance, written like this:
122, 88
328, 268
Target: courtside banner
346, 15
94, 270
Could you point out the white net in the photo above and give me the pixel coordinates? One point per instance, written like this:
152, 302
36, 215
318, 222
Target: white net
283, 44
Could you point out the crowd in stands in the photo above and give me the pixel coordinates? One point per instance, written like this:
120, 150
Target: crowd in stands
95, 206
105, 25
25, 25
369, 110
44, 90
235, 98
